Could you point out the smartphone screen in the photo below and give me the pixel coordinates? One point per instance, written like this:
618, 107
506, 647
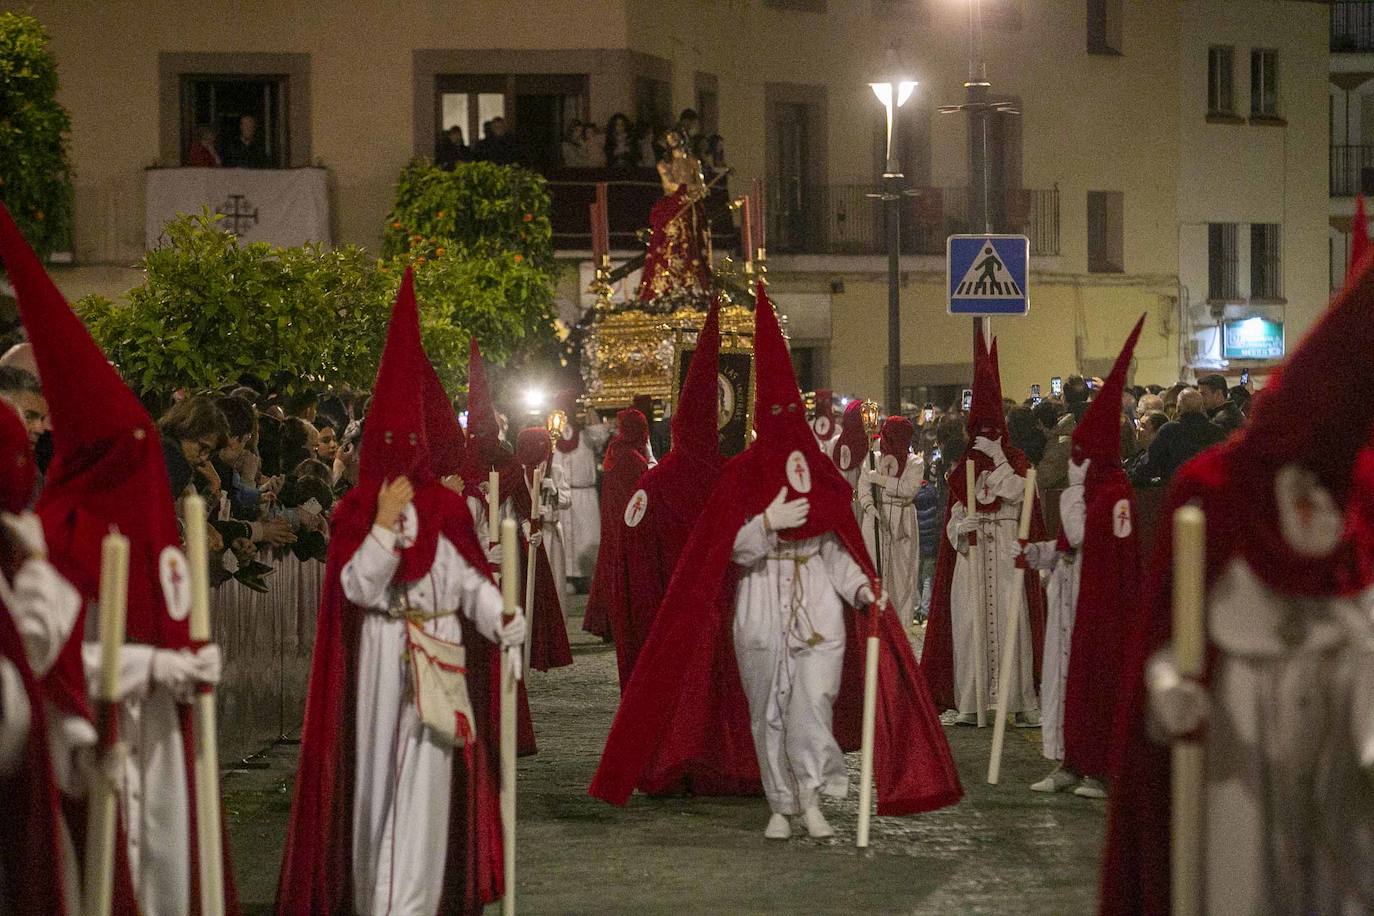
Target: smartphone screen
1056, 387
929, 413
1035, 391
1245, 377
968, 399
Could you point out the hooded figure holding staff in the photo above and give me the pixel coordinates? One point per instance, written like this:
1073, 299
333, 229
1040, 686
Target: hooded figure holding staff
769, 580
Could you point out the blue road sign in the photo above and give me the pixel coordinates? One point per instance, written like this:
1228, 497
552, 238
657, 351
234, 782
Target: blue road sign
986, 274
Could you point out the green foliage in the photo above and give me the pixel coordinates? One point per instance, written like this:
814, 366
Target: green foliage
213, 310
478, 210
35, 179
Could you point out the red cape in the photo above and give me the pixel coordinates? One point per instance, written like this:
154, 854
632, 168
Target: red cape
1108, 591
937, 656
608, 601
317, 866
673, 489
684, 715
30, 818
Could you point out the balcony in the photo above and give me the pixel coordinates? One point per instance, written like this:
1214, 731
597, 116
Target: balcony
1352, 170
845, 220
1352, 26
835, 220
630, 195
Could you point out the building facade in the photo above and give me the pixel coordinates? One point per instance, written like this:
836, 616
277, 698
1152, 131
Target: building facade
1165, 159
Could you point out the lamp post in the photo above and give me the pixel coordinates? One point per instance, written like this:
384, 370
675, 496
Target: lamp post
980, 110
893, 95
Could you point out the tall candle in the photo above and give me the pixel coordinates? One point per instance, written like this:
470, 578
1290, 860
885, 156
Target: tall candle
493, 505
197, 553
114, 596
760, 214
746, 232
1190, 640
1027, 505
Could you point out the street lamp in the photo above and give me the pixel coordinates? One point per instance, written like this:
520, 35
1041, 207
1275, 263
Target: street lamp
893, 95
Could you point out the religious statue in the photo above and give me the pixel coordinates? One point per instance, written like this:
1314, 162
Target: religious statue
678, 263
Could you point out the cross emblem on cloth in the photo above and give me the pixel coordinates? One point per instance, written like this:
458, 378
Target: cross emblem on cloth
239, 213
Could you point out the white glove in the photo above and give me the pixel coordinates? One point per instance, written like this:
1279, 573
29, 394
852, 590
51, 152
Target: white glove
513, 631
866, 597
966, 527
182, 670
867, 476
27, 530
517, 662
1078, 472
548, 487
784, 515
1177, 705
992, 448
535, 538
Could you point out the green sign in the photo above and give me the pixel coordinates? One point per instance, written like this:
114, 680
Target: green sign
1252, 338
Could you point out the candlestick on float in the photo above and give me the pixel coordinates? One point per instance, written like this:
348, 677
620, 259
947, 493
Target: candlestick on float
210, 855
980, 660
101, 803
1009, 656
1188, 754
510, 677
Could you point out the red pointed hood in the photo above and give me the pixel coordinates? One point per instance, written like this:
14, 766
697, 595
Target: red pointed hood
107, 469
823, 420
786, 452
895, 439
18, 470
1097, 436
394, 443
631, 435
694, 418
533, 448
1359, 240
444, 437
851, 446
985, 416
484, 429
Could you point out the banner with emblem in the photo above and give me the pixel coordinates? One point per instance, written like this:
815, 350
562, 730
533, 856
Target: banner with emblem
284, 207
734, 390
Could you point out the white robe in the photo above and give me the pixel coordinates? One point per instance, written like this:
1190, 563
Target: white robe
154, 800
1290, 751
555, 508
402, 776
895, 518
789, 591
581, 521
1066, 570
988, 596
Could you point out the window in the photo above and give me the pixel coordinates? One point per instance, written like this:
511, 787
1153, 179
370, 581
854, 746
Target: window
536, 108
1220, 99
1105, 233
214, 109
1223, 263
1264, 76
1104, 26
1265, 262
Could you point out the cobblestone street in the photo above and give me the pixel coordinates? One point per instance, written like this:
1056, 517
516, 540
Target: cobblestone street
1001, 850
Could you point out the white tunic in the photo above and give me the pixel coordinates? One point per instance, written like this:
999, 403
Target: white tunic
1290, 751
402, 776
581, 521
555, 507
988, 595
790, 640
1066, 570
895, 518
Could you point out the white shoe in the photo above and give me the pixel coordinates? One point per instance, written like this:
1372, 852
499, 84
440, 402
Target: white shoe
966, 718
1058, 781
1090, 788
779, 827
816, 824
1026, 719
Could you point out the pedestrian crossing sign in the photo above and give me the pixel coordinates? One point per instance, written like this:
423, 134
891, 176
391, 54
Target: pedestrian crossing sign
986, 274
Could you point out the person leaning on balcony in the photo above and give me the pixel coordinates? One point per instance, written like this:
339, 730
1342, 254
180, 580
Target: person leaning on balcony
203, 154
622, 150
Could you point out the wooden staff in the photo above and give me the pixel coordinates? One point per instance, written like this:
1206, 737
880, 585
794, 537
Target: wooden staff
510, 576
101, 804
1009, 656
208, 836
870, 718
1188, 786
980, 649
536, 517
493, 508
